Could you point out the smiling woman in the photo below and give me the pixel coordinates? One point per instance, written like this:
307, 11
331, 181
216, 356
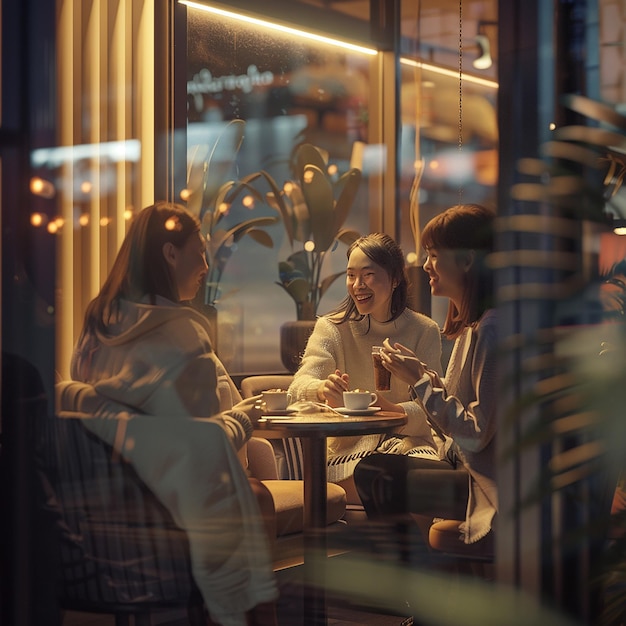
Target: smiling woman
338, 354
369, 286
461, 408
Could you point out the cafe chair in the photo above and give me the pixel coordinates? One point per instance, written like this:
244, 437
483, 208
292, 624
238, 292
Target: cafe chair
117, 549
444, 538
270, 461
287, 452
254, 385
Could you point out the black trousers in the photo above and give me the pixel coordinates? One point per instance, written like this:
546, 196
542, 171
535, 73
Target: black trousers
401, 496
393, 485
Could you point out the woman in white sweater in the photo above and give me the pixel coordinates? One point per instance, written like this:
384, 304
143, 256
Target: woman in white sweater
338, 353
461, 407
144, 350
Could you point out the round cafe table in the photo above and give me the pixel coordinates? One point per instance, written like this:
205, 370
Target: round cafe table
314, 429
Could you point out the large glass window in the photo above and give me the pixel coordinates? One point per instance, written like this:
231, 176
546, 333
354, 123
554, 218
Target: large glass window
253, 95
289, 90
448, 119
282, 90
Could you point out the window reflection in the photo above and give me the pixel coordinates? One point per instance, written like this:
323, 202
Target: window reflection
287, 91
448, 126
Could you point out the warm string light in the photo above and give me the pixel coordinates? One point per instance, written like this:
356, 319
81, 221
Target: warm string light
37, 219
41, 187
54, 226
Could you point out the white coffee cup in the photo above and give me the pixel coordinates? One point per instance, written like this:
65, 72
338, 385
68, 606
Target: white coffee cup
276, 399
359, 400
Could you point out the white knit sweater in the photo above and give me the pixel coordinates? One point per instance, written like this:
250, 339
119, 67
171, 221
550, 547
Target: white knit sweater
347, 347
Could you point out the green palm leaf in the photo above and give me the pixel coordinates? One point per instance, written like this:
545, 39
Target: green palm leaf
348, 190
277, 201
348, 236
328, 281
298, 289
318, 194
307, 154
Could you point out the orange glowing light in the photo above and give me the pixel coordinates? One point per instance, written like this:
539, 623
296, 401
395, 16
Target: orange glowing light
36, 219
41, 187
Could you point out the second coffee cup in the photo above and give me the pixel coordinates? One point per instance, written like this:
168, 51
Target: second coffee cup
276, 399
359, 400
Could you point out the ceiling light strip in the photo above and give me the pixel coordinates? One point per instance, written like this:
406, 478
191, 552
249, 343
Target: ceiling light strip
477, 80
279, 27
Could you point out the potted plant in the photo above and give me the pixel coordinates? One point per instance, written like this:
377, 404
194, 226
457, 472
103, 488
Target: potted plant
210, 196
313, 207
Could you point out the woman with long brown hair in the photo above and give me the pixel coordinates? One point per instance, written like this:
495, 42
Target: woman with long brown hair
461, 407
145, 351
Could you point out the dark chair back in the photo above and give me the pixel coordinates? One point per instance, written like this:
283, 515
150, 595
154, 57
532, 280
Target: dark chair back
118, 549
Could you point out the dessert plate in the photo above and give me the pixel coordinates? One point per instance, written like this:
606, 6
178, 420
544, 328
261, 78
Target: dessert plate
369, 411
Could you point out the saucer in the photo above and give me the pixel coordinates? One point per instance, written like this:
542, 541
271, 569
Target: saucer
278, 412
369, 411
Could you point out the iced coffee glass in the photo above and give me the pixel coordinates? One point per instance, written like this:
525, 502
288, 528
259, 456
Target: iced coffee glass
382, 376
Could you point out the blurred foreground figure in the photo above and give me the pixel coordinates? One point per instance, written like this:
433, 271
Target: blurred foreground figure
461, 408
144, 351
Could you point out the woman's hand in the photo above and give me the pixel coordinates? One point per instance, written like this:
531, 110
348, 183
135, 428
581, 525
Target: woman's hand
387, 405
402, 362
331, 390
252, 407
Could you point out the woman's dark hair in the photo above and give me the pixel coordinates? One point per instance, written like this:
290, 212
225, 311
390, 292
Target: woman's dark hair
386, 253
462, 228
140, 268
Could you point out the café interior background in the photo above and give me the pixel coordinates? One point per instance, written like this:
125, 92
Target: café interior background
286, 89
105, 101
